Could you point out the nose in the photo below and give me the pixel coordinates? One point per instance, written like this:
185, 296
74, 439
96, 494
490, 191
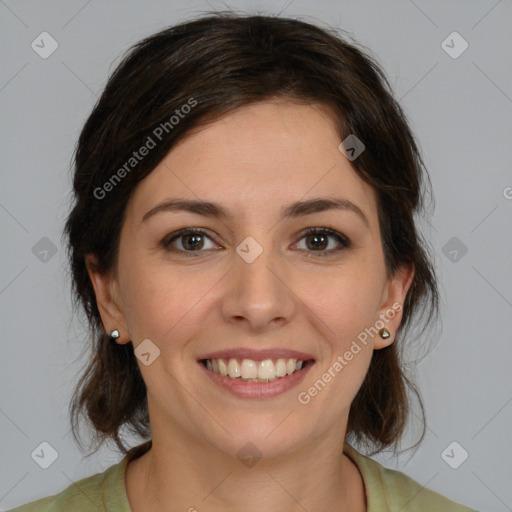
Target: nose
259, 294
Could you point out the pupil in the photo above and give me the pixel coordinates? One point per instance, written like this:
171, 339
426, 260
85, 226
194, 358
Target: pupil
194, 244
316, 238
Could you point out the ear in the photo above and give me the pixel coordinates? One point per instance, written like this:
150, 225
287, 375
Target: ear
391, 310
108, 299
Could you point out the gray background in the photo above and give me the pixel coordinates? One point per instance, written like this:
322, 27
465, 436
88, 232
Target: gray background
460, 109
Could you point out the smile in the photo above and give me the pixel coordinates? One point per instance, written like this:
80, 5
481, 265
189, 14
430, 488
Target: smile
248, 370
259, 376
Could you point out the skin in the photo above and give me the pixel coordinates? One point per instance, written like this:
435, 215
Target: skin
253, 162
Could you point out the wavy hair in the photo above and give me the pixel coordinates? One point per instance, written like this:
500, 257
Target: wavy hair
225, 61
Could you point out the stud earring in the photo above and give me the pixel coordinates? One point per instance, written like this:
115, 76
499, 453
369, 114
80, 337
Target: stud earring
384, 333
114, 334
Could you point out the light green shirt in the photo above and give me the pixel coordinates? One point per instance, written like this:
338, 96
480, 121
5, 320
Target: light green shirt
386, 490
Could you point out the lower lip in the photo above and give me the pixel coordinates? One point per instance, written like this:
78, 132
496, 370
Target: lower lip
258, 389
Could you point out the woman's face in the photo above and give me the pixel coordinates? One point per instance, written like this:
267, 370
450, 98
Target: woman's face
253, 285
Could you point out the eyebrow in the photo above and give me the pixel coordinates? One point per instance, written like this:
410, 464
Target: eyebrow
294, 210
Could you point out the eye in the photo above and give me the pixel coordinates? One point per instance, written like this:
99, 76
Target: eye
187, 241
317, 240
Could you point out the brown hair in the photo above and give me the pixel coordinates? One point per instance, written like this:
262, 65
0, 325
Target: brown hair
220, 62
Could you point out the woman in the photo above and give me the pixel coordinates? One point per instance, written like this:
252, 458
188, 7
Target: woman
243, 243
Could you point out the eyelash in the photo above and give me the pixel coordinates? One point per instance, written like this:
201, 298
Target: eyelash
344, 242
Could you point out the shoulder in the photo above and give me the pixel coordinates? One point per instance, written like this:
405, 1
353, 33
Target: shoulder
390, 490
102, 492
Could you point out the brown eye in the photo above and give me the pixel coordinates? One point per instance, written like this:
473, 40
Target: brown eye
319, 239
192, 241
187, 241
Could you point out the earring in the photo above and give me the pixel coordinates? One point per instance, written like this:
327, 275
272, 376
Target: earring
384, 333
114, 334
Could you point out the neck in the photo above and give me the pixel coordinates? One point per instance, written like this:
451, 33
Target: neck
181, 473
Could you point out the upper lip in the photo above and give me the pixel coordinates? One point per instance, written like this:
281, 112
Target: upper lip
257, 355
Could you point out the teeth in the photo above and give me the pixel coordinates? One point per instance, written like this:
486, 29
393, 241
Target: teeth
255, 371
233, 368
222, 367
249, 369
266, 369
281, 368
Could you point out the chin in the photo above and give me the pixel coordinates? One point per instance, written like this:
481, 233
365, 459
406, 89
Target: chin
258, 434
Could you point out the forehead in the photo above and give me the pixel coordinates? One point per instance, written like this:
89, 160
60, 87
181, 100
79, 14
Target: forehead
256, 159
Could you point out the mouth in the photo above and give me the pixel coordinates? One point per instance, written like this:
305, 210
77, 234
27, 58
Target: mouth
250, 370
250, 374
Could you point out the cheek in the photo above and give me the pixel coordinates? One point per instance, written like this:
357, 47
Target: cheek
160, 303
347, 299
348, 309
